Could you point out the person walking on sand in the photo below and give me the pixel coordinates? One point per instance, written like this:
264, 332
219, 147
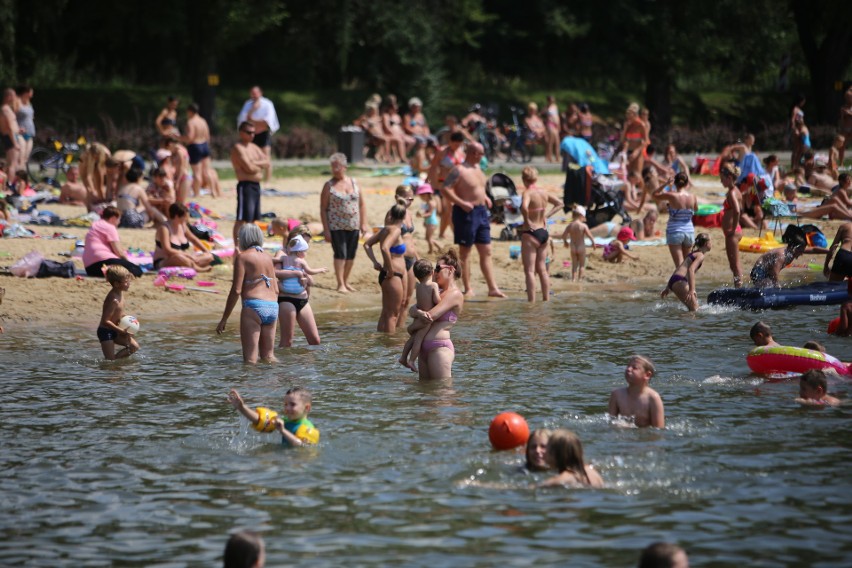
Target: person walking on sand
465, 189
260, 112
249, 162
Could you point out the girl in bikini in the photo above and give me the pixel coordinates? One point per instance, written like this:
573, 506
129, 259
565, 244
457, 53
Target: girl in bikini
393, 278
534, 237
294, 277
682, 282
731, 210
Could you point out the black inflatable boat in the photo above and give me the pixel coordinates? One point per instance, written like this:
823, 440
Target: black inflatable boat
816, 294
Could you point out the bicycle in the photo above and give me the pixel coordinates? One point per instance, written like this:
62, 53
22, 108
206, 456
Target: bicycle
518, 136
45, 164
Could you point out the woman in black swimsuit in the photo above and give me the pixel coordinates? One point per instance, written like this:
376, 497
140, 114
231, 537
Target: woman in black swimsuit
174, 242
534, 235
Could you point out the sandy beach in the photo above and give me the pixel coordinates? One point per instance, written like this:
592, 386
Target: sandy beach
80, 301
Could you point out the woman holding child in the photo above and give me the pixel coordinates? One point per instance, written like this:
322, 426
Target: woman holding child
437, 352
393, 276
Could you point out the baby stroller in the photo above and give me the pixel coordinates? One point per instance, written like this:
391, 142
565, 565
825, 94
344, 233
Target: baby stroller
600, 195
505, 205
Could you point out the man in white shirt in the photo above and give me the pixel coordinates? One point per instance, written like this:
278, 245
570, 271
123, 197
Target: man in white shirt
260, 112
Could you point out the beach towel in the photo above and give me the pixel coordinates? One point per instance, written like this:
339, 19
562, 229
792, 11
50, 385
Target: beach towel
266, 113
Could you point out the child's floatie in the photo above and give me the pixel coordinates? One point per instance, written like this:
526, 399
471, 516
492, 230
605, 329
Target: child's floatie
785, 359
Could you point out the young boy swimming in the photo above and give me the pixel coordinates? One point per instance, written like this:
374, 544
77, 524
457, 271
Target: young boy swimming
109, 334
761, 334
813, 389
296, 430
637, 399
768, 267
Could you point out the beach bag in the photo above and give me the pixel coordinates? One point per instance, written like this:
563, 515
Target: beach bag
50, 268
28, 266
814, 236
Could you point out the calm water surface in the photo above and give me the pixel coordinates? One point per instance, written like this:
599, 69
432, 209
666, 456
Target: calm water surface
142, 462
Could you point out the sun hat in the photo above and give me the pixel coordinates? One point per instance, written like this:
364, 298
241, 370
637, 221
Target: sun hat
414, 101
424, 188
626, 234
162, 154
580, 210
297, 244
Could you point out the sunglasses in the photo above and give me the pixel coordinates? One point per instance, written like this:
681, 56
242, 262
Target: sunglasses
249, 132
440, 267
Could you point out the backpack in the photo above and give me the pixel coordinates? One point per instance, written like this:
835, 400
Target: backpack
814, 236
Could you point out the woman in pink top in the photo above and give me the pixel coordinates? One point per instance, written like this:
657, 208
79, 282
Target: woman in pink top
103, 247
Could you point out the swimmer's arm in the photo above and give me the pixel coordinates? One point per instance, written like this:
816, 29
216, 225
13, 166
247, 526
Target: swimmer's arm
657, 414
690, 273
612, 408
289, 436
235, 400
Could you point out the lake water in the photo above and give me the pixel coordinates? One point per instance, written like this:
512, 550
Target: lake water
142, 462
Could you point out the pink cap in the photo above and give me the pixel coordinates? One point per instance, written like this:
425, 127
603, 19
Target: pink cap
626, 234
424, 188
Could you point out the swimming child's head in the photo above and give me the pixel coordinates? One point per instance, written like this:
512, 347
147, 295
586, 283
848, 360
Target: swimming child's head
663, 555
422, 270
639, 368
297, 403
814, 346
536, 451
529, 176
565, 452
579, 212
245, 549
702, 240
761, 333
681, 180
116, 274
812, 385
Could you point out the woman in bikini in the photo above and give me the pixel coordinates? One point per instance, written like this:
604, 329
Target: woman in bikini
173, 243
392, 275
449, 157
404, 194
680, 232
254, 280
534, 234
437, 352
634, 139
731, 211
682, 282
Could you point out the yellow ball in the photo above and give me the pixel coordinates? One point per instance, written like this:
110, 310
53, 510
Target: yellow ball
265, 420
307, 434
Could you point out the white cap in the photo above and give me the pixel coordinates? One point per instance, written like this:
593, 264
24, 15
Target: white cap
580, 210
297, 244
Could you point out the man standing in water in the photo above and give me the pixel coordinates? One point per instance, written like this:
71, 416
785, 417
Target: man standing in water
464, 187
196, 140
249, 162
260, 112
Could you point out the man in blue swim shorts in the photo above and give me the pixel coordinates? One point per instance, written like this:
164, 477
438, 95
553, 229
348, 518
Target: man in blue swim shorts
196, 140
464, 187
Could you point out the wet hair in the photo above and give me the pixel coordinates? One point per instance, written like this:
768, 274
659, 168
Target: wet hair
646, 363
398, 211
529, 175
243, 125
117, 273
537, 433
110, 211
450, 258
659, 555
250, 236
769, 159
242, 550
301, 393
681, 180
566, 453
133, 175
796, 241
762, 328
192, 107
814, 346
177, 210
700, 240
815, 378
338, 157
422, 268
456, 137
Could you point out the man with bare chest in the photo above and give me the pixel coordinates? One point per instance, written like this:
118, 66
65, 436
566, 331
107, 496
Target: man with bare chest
464, 188
249, 162
9, 131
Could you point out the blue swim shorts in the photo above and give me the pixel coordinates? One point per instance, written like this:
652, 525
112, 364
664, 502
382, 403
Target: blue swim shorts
472, 227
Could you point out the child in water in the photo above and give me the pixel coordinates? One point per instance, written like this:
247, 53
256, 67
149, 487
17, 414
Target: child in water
536, 450
616, 250
294, 275
244, 549
578, 230
429, 212
637, 399
565, 454
682, 282
663, 555
296, 430
428, 295
109, 334
812, 389
768, 267
761, 334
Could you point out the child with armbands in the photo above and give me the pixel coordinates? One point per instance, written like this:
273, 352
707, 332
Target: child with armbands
637, 400
813, 390
427, 296
296, 430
